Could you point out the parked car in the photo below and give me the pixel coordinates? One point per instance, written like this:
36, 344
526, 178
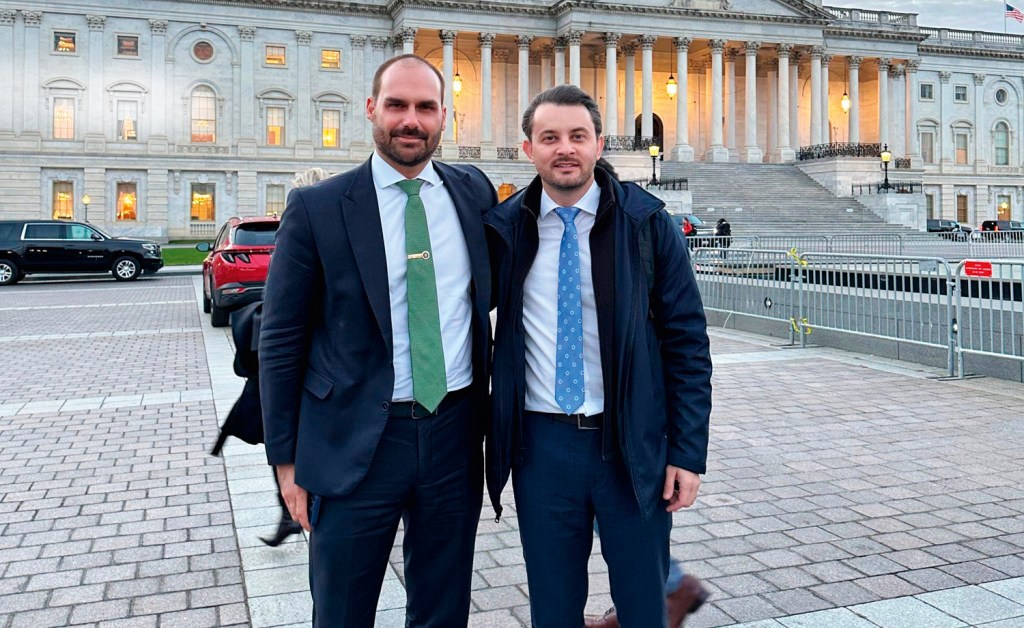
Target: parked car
949, 229
235, 270
1008, 229
703, 233
61, 246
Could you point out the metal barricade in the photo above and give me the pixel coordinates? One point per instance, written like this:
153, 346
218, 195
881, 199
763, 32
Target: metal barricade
789, 242
989, 309
866, 244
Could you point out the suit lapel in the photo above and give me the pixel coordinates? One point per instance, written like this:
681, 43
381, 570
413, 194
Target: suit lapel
472, 224
366, 237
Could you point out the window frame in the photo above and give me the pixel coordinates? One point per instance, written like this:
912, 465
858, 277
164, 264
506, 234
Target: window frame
193, 218
330, 69
54, 197
54, 42
273, 110
920, 92
74, 119
337, 136
119, 122
192, 120
967, 94
118, 203
932, 133
995, 145
266, 55
267, 200
966, 150
117, 45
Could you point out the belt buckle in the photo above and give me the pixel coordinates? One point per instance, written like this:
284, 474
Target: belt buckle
414, 411
579, 423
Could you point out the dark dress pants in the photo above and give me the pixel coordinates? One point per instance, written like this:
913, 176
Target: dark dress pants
427, 473
560, 487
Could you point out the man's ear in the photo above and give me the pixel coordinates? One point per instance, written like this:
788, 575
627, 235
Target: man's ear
444, 118
600, 145
528, 149
370, 106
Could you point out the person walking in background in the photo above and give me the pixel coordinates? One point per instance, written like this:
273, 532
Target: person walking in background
723, 234
374, 362
602, 371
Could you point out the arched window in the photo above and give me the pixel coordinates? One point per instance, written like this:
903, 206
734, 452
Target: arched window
204, 115
1001, 142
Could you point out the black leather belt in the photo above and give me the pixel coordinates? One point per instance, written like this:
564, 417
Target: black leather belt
415, 410
581, 421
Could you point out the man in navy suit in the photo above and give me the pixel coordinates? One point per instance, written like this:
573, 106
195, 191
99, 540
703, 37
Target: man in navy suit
373, 363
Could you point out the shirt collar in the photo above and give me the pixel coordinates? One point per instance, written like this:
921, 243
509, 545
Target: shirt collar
588, 203
384, 175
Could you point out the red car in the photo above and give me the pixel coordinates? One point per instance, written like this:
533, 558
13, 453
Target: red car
236, 269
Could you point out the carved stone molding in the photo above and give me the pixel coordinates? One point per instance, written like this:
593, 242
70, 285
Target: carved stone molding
855, 62
247, 33
773, 65
979, 79
32, 18
697, 67
559, 44
379, 43
825, 60
96, 22
358, 41
7, 17
898, 70
574, 38
501, 55
599, 59
486, 40
945, 76
731, 53
752, 47
717, 45
884, 63
817, 51
447, 37
547, 52
628, 50
913, 65
407, 35
304, 37
611, 39
784, 50
682, 43
524, 41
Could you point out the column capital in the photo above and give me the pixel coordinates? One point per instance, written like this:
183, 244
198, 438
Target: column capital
717, 45
547, 51
524, 41
501, 55
379, 43
486, 40
96, 22
855, 62
447, 37
913, 65
682, 43
979, 79
304, 37
752, 47
407, 35
784, 50
7, 17
647, 41
884, 63
698, 67
600, 58
796, 57
559, 44
772, 65
610, 39
817, 52
358, 41
898, 70
945, 76
825, 60
574, 38
32, 18
159, 27
731, 53
628, 49
536, 58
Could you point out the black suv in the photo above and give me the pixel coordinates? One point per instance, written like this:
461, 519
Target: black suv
1007, 229
949, 229
59, 246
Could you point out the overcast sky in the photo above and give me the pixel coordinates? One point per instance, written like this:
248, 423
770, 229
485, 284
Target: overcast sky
982, 15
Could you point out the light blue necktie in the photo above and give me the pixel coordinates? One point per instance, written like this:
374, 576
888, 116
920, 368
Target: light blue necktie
569, 389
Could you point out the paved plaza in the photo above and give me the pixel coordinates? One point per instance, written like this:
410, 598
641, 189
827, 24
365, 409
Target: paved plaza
843, 490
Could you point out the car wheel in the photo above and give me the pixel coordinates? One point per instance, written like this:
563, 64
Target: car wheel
9, 273
207, 303
126, 269
219, 317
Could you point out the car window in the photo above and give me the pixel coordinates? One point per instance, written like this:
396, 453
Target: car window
9, 230
696, 222
222, 238
256, 234
80, 232
1016, 225
44, 231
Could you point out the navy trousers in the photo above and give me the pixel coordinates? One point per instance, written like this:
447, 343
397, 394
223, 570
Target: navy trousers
427, 473
560, 488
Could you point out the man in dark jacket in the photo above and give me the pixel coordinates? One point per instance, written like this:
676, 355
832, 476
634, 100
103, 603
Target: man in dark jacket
602, 371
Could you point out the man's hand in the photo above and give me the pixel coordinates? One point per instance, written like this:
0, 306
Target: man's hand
295, 497
680, 488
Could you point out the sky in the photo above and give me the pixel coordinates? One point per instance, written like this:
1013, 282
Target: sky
980, 15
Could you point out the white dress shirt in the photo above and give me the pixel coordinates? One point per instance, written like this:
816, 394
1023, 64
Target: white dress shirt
451, 270
540, 310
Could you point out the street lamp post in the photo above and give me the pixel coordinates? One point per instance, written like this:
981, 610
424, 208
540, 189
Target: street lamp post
655, 151
886, 157
85, 203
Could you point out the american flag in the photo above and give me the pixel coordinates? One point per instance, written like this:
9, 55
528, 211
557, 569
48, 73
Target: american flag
1014, 12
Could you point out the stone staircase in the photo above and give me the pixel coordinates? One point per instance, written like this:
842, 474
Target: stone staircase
772, 199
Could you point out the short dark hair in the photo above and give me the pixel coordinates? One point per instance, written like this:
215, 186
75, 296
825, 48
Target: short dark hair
379, 74
565, 95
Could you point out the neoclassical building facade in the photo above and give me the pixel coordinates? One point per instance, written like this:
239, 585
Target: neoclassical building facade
168, 117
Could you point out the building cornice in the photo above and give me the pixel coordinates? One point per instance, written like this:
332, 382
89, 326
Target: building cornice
960, 51
877, 35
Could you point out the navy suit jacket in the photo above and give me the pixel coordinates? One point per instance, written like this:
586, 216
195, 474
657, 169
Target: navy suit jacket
326, 371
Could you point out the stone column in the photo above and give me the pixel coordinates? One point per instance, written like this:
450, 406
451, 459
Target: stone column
647, 85
504, 124
785, 152
7, 17
359, 97
897, 91
947, 151
304, 132
408, 38
883, 100
772, 141
559, 60
717, 151
729, 115
682, 150
488, 150
30, 76
794, 102
826, 124
158, 127
94, 138
575, 38
816, 54
981, 130
629, 107
524, 41
913, 147
448, 71
546, 53
751, 151
611, 84
855, 99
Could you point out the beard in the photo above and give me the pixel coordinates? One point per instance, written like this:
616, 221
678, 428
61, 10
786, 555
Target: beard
565, 183
406, 157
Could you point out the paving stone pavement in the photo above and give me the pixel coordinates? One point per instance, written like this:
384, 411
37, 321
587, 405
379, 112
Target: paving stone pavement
842, 490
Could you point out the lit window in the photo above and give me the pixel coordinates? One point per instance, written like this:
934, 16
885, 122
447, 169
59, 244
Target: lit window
63, 118
330, 59
961, 148
63, 200
1002, 144
127, 45
960, 93
203, 202
204, 115
274, 55
1004, 207
64, 43
330, 120
127, 120
127, 202
275, 200
275, 126
928, 147
927, 91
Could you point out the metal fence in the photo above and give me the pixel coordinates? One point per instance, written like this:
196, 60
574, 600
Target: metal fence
975, 307
950, 246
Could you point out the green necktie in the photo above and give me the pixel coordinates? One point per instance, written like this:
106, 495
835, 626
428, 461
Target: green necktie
429, 380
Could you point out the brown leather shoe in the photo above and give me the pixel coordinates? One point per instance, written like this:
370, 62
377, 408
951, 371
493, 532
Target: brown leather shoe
688, 598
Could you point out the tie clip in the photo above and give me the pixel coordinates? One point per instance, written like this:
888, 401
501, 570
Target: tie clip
423, 255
